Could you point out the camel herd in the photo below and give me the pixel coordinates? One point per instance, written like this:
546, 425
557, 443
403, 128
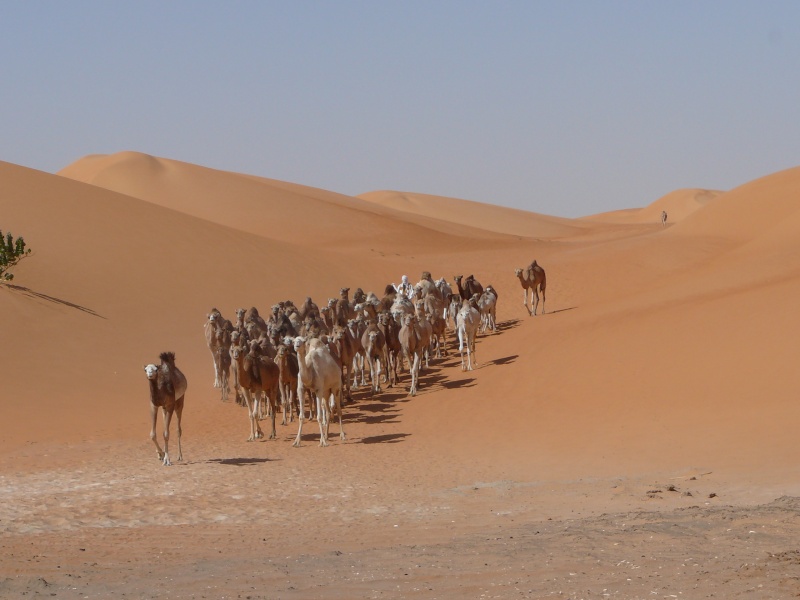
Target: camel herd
308, 359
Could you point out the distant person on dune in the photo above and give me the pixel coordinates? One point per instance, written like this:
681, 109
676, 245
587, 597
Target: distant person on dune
663, 217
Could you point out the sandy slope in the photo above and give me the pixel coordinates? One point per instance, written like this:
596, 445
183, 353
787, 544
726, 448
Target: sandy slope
664, 354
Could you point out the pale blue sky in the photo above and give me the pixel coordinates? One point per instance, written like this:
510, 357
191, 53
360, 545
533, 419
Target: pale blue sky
565, 108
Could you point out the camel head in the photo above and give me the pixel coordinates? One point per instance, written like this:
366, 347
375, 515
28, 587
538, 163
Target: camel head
151, 371
331, 302
240, 314
427, 275
343, 292
458, 278
214, 316
518, 272
298, 342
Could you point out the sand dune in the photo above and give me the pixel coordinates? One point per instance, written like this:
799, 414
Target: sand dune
678, 204
665, 353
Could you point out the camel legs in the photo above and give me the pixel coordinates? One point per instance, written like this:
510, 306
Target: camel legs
375, 372
301, 396
323, 417
252, 414
167, 418
525, 300
215, 356
153, 419
178, 415
273, 404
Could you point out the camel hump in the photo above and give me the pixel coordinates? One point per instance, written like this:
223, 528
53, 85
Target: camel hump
168, 357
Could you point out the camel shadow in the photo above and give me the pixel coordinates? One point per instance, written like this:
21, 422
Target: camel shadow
510, 324
505, 360
41, 296
552, 312
389, 438
454, 384
376, 412
239, 462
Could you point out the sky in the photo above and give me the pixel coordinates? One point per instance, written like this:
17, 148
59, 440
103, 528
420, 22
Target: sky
566, 108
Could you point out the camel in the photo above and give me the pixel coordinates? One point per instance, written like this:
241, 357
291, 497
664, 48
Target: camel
663, 218
167, 391
288, 371
343, 311
218, 331
257, 375
469, 288
409, 342
309, 309
374, 344
438, 333
427, 285
487, 306
424, 333
347, 352
320, 374
468, 322
355, 328
533, 278
389, 297
392, 347
453, 306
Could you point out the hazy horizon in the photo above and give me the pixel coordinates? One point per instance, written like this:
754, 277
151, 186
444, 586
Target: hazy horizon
566, 109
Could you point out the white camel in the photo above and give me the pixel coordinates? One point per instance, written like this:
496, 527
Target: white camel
468, 321
320, 374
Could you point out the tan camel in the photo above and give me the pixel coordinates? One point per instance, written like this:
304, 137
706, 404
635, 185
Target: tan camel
374, 344
409, 342
218, 331
347, 352
320, 374
424, 333
167, 391
534, 279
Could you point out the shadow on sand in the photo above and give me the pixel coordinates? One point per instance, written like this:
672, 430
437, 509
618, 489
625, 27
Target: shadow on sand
389, 438
239, 462
41, 296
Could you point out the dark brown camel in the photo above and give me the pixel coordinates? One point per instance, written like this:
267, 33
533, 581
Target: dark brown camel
167, 390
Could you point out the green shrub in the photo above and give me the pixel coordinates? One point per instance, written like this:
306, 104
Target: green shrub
11, 252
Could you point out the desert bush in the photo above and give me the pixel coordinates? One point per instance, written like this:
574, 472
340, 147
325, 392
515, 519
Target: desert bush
11, 252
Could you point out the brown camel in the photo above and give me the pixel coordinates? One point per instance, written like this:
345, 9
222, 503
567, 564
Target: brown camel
288, 372
469, 288
167, 390
532, 278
